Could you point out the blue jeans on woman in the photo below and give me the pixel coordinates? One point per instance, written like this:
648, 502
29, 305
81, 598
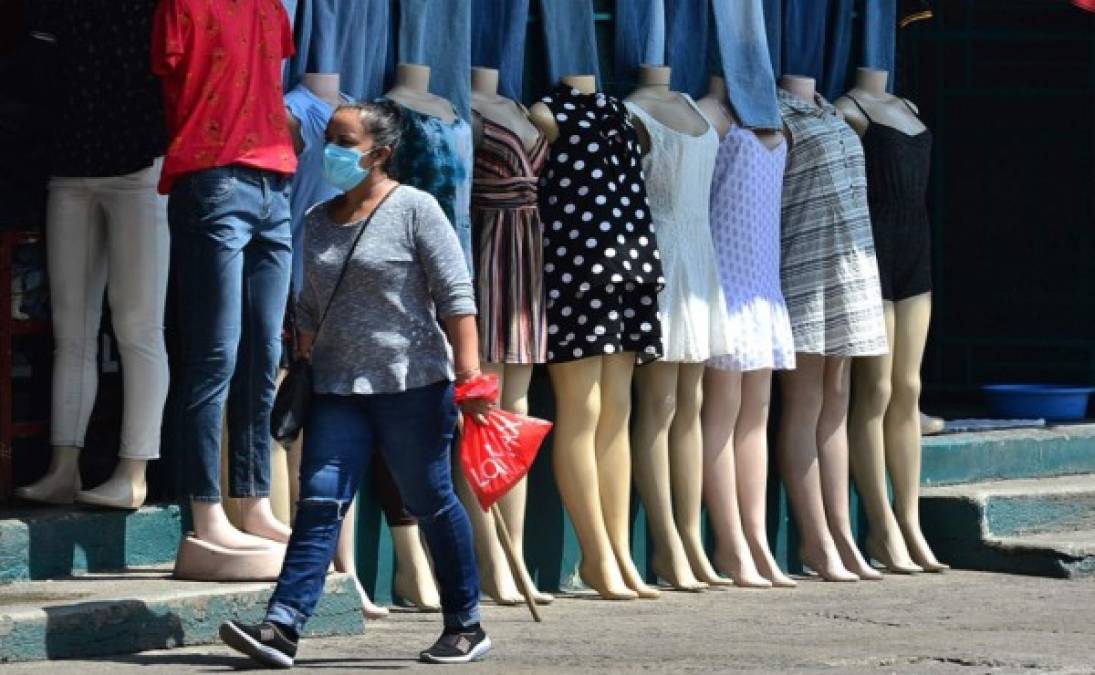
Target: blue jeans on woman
414, 432
232, 249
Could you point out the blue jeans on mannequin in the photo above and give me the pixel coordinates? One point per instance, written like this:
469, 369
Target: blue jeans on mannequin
232, 258
414, 431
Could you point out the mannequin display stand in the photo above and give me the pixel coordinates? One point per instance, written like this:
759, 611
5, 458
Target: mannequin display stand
667, 440
591, 452
813, 441
497, 112
885, 416
737, 389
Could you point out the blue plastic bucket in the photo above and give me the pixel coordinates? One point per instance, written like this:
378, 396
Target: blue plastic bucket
1034, 401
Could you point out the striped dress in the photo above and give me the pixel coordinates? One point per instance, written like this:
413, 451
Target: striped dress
508, 245
828, 271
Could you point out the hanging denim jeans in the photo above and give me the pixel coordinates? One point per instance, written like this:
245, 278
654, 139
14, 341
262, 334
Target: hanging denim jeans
746, 66
640, 36
773, 23
438, 35
348, 37
838, 49
687, 38
804, 26
498, 29
570, 39
879, 36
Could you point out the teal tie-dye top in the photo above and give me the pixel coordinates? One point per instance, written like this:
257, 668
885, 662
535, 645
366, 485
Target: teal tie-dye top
436, 156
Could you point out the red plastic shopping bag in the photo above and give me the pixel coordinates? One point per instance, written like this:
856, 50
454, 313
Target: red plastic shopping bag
498, 454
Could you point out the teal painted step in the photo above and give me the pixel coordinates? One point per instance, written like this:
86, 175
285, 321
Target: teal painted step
100, 615
1033, 526
51, 542
1004, 455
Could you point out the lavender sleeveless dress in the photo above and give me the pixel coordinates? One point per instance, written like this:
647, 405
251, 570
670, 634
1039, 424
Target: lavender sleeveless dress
746, 197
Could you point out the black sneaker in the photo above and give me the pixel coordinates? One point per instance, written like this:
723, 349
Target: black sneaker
266, 643
463, 647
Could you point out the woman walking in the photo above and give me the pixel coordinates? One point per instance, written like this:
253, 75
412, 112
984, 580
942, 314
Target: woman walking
383, 379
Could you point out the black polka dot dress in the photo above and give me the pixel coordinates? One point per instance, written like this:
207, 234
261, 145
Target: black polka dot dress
602, 273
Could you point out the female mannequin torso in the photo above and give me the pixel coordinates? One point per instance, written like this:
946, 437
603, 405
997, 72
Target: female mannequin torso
411, 89
714, 105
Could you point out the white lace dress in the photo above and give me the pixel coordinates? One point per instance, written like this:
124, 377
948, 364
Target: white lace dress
678, 171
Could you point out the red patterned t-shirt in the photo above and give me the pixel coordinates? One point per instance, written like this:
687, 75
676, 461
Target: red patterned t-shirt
220, 62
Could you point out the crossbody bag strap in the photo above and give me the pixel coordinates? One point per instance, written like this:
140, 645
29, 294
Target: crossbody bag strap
346, 261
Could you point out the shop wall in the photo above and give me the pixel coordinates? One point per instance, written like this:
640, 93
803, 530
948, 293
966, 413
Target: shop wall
1007, 88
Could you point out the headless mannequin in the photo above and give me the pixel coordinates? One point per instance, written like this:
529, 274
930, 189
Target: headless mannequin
813, 446
591, 456
884, 425
412, 83
667, 444
735, 435
513, 380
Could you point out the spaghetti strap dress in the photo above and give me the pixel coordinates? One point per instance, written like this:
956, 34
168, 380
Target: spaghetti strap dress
897, 184
509, 252
678, 170
745, 210
828, 269
602, 270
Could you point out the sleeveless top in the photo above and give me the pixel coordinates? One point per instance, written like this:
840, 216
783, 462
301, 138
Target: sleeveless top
436, 156
745, 210
828, 268
678, 170
508, 242
898, 166
598, 236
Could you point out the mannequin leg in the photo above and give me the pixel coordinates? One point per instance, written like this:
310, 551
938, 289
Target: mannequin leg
686, 471
346, 562
902, 424
211, 525
515, 399
76, 260
871, 387
832, 446
577, 386
613, 445
803, 394
656, 388
721, 405
751, 462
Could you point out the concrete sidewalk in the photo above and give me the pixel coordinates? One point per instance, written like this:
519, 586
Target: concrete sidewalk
956, 622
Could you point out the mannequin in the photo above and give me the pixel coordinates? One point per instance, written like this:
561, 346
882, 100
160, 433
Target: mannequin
735, 417
513, 378
591, 453
885, 415
812, 442
107, 232
412, 82
667, 440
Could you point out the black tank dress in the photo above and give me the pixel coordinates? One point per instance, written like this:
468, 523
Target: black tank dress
897, 183
602, 273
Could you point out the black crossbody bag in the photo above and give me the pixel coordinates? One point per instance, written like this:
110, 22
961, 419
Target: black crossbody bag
295, 392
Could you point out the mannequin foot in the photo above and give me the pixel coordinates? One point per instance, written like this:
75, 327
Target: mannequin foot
211, 526
370, 609
125, 489
418, 590
768, 569
257, 518
930, 426
676, 573
743, 573
897, 564
635, 581
827, 565
855, 563
499, 585
51, 489
60, 483
702, 568
920, 551
606, 580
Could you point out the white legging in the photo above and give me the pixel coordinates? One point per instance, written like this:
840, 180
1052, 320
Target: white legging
109, 233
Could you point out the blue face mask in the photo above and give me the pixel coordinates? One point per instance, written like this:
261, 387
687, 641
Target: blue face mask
342, 166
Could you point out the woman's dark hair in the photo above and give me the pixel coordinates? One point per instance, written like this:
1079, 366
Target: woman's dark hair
382, 120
